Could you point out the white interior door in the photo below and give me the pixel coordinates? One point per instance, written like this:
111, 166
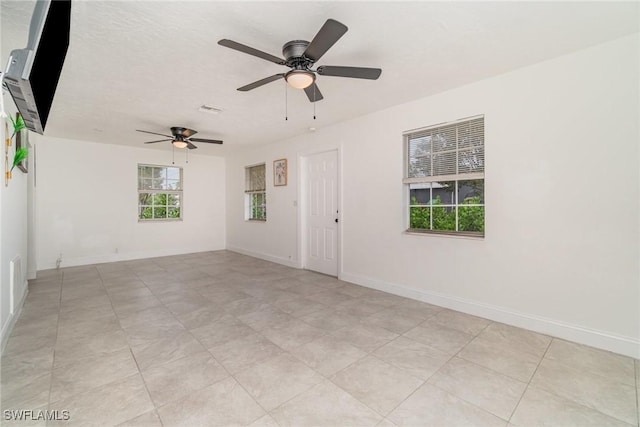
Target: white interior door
322, 213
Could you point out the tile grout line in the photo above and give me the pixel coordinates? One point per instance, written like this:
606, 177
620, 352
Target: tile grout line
570, 399
285, 351
240, 384
498, 372
590, 372
155, 406
423, 381
326, 333
230, 375
515, 408
139, 373
403, 400
489, 369
438, 370
57, 332
53, 360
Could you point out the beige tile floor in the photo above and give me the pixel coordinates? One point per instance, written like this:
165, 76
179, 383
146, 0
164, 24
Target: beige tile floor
218, 338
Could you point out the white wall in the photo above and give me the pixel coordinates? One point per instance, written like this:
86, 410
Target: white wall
13, 234
562, 246
276, 238
87, 204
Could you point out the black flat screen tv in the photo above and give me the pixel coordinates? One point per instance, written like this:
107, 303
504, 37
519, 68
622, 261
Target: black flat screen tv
32, 73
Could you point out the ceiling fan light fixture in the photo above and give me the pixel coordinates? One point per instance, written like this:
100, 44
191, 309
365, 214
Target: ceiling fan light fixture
300, 79
179, 144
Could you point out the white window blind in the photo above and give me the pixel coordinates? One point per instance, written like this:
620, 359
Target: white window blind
255, 179
446, 152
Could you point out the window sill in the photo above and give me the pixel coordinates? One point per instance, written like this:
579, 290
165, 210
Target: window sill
454, 234
161, 220
255, 220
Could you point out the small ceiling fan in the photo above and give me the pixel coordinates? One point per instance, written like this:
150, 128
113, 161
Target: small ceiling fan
300, 56
181, 138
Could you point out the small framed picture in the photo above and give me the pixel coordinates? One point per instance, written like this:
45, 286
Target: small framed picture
280, 172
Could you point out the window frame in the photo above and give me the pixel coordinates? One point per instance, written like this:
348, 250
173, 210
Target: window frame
455, 178
250, 194
154, 191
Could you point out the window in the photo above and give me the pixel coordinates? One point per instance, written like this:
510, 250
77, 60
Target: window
255, 193
445, 177
159, 193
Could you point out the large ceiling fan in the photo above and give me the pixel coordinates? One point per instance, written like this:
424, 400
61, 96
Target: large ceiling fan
300, 56
181, 138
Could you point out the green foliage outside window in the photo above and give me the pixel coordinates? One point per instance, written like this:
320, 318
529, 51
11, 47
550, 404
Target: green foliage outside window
470, 218
420, 217
159, 206
258, 206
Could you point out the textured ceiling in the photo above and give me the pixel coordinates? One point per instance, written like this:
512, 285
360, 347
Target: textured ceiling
150, 65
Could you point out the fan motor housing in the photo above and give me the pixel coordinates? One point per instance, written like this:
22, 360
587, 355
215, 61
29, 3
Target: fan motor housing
177, 131
294, 49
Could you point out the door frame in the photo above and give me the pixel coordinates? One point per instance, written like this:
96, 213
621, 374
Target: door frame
303, 158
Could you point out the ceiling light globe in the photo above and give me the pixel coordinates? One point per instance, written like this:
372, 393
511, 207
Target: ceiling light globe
179, 144
300, 79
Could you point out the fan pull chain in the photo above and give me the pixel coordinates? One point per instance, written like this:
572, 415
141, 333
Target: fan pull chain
314, 101
188, 155
173, 154
286, 102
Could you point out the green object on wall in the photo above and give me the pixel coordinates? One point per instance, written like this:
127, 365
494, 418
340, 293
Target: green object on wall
20, 155
18, 125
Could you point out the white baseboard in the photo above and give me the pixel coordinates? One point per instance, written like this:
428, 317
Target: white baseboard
7, 328
618, 344
128, 256
266, 257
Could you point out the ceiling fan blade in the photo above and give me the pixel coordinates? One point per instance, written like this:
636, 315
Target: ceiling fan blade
353, 72
154, 133
328, 35
188, 132
259, 83
208, 141
251, 51
160, 140
313, 93
190, 146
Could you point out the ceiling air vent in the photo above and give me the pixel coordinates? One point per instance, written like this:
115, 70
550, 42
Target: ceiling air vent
209, 109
